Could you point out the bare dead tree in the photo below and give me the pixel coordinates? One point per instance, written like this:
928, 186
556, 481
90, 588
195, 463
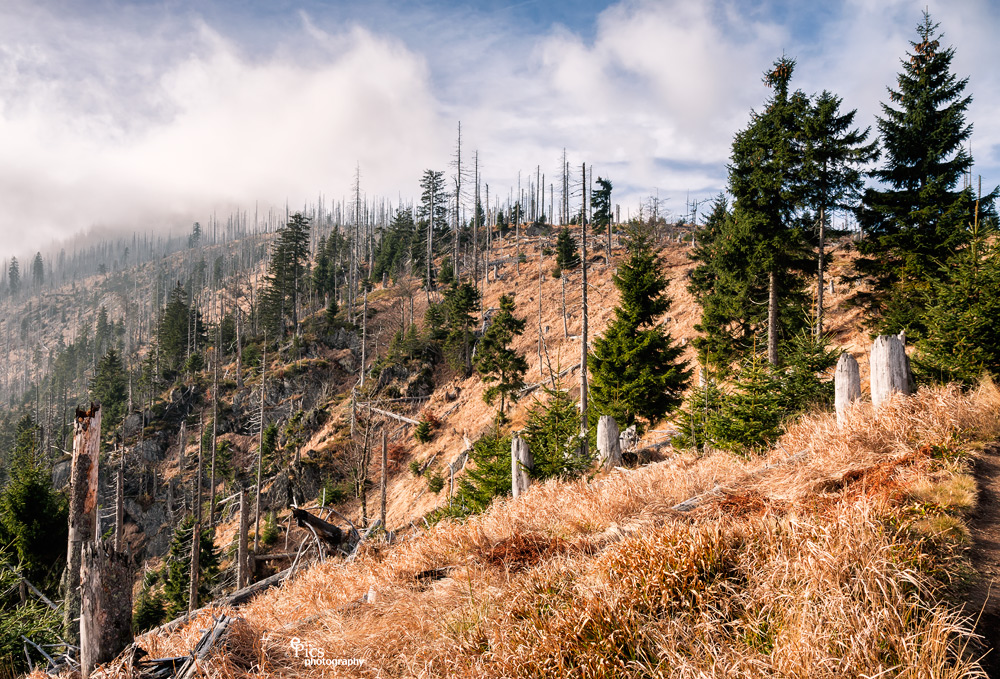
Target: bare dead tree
260, 450
385, 477
583, 331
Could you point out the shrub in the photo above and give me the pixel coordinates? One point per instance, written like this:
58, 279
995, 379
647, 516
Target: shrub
435, 482
423, 432
269, 536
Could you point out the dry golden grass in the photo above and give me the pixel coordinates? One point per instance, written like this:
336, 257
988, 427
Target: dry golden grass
826, 558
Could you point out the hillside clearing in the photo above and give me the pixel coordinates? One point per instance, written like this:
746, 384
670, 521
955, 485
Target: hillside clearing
844, 559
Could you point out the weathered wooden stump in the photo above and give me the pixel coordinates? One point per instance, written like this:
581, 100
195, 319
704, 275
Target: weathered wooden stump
607, 442
890, 369
106, 604
521, 461
847, 386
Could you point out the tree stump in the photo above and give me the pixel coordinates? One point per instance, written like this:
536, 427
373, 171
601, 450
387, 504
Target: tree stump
521, 461
890, 369
847, 386
607, 442
106, 607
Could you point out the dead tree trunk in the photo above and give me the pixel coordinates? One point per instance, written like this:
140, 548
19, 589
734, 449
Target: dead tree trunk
565, 325
196, 529
539, 307
847, 386
819, 273
106, 613
583, 338
260, 450
385, 473
772, 319
521, 461
608, 442
82, 507
239, 349
120, 503
215, 433
890, 369
242, 569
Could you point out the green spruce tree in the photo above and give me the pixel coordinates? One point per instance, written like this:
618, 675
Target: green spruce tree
637, 374
552, 432
833, 153
500, 366
567, 250
919, 214
110, 389
33, 516
962, 338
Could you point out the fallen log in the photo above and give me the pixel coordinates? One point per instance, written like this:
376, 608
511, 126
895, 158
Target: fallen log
393, 415
329, 533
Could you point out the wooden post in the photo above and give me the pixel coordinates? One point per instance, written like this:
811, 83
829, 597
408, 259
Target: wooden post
106, 612
847, 386
385, 473
890, 370
521, 461
243, 563
608, 444
82, 508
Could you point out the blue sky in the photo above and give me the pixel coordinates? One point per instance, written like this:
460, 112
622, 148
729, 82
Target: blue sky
150, 115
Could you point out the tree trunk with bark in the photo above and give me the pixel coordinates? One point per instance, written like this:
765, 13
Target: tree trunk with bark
106, 612
82, 508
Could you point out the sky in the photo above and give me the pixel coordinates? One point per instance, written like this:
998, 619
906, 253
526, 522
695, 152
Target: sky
149, 115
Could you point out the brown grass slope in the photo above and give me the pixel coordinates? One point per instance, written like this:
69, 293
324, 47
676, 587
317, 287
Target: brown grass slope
837, 554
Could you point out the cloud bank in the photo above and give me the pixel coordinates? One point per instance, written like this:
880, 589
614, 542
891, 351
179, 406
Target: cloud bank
145, 117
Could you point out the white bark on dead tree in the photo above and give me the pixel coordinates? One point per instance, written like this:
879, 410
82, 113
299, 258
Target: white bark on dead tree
521, 461
243, 562
890, 369
847, 386
608, 445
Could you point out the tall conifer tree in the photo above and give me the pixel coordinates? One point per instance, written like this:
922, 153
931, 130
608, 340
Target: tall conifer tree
919, 215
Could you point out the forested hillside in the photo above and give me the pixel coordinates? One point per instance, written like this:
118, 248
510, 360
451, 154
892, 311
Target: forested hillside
470, 435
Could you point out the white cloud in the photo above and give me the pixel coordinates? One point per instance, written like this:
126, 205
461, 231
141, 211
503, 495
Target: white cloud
229, 129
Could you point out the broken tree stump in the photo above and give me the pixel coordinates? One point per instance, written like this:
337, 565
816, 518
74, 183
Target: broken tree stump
82, 508
521, 461
890, 369
847, 386
106, 604
608, 446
